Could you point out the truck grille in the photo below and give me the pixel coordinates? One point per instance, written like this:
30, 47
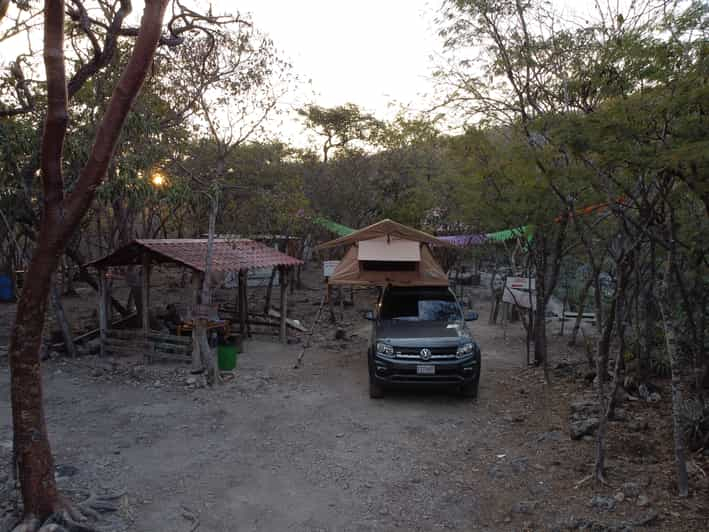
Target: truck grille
437, 353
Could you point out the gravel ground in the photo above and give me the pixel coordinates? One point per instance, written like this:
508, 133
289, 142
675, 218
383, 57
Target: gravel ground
280, 449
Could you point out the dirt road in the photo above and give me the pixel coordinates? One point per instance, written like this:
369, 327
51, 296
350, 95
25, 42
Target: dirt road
303, 450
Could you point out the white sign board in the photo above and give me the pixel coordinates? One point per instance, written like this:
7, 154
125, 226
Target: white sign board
328, 267
517, 293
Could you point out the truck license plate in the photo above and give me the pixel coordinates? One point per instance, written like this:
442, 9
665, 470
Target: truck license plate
426, 370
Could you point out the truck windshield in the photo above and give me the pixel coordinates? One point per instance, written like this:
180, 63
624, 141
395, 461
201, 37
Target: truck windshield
411, 307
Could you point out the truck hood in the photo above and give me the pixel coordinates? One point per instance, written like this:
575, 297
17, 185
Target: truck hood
413, 333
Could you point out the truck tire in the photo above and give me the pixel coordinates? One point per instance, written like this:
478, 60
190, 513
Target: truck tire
376, 390
469, 391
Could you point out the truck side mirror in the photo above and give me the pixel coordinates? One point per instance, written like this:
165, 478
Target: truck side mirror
369, 315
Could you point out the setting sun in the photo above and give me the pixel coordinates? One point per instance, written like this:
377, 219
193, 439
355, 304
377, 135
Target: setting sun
158, 179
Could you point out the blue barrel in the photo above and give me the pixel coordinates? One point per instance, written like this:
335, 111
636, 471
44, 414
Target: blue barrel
7, 292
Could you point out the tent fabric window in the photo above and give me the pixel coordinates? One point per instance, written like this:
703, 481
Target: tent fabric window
389, 250
388, 266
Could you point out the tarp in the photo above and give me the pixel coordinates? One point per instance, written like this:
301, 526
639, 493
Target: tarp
509, 234
386, 228
333, 227
524, 231
465, 240
424, 272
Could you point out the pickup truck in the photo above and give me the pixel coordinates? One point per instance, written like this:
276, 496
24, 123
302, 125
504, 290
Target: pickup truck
419, 336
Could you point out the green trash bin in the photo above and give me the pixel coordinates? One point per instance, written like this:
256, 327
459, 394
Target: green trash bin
226, 356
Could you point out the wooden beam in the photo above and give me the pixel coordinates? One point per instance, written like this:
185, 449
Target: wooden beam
102, 311
145, 292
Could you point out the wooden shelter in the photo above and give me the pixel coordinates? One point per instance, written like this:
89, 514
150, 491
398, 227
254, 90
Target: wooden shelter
239, 255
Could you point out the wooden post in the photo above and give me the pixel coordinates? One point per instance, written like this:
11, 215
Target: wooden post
284, 304
242, 304
145, 293
341, 295
102, 311
109, 307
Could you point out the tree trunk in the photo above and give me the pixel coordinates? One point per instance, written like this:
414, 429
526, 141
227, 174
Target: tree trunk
207, 354
646, 339
623, 273
61, 215
269, 291
582, 304
540, 322
35, 464
602, 374
666, 304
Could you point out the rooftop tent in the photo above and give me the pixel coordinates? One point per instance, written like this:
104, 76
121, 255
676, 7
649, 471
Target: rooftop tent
388, 253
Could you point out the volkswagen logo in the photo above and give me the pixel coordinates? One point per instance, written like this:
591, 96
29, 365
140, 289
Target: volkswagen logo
425, 354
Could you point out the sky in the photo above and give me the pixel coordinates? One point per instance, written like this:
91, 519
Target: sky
374, 53
378, 54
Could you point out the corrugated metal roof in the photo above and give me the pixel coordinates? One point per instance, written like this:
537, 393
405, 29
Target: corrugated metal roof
228, 255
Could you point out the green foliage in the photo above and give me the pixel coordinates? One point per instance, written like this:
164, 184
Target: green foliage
341, 126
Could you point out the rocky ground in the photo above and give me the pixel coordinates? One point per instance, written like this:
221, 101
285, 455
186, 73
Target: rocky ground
281, 449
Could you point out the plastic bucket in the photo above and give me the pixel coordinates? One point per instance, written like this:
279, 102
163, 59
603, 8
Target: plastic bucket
7, 292
226, 356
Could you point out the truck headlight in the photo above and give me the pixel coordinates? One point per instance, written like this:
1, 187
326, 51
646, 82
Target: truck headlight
384, 349
465, 350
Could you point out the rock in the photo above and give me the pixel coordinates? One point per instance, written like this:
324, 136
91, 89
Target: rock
602, 502
495, 471
520, 465
631, 489
638, 425
65, 471
619, 497
649, 393
524, 507
582, 406
619, 414
582, 427
642, 501
340, 334
554, 435
190, 381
